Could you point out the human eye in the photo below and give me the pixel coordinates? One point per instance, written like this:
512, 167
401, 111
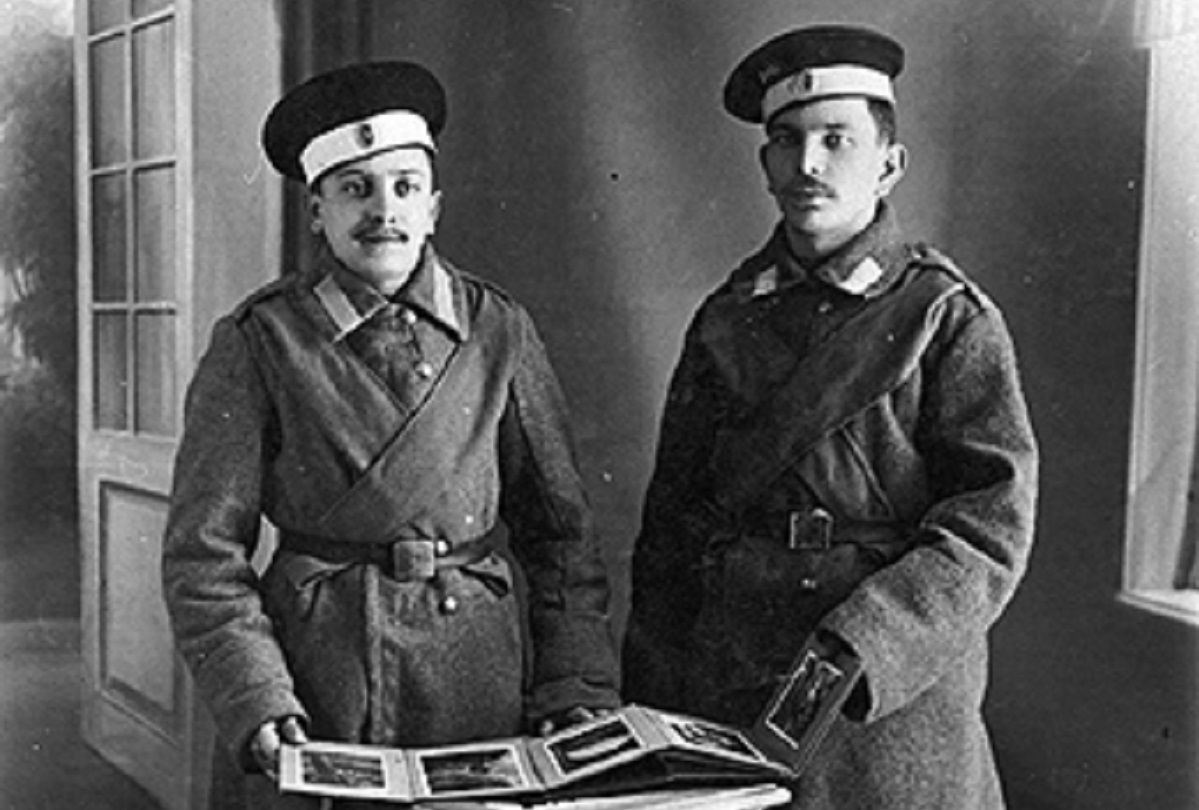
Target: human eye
835, 139
405, 186
354, 186
783, 138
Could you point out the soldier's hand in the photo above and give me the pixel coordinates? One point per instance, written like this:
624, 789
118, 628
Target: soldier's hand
269, 738
570, 717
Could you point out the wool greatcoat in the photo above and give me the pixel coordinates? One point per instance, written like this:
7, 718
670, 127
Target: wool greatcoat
844, 450
352, 422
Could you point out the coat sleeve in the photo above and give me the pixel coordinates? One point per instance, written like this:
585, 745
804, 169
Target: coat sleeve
542, 500
916, 619
211, 590
678, 520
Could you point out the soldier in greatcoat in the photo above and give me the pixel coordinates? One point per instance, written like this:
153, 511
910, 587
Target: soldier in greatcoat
387, 412
845, 458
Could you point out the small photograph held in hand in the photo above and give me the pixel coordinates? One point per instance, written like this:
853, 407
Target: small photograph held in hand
797, 708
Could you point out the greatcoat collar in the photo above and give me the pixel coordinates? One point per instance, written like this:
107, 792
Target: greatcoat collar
349, 301
866, 266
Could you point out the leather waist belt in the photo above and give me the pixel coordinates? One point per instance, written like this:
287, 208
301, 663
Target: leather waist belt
403, 560
817, 530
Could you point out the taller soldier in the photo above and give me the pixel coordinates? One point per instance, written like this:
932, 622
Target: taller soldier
385, 411
845, 457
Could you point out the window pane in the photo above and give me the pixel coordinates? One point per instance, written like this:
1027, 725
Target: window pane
105, 14
108, 102
156, 373
112, 372
108, 238
154, 90
155, 226
142, 8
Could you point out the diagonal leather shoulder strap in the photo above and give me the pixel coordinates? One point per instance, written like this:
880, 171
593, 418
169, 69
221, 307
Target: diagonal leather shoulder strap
868, 356
406, 484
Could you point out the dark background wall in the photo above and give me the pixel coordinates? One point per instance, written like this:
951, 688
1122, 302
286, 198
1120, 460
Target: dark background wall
589, 169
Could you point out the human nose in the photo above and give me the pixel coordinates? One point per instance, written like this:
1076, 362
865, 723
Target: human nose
811, 160
384, 206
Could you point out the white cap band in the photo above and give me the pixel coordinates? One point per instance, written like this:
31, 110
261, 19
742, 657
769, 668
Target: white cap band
819, 82
360, 139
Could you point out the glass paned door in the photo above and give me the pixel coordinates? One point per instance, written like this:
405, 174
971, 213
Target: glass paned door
171, 93
137, 708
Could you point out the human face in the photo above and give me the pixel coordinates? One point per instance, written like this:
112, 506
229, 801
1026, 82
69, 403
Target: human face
827, 168
376, 214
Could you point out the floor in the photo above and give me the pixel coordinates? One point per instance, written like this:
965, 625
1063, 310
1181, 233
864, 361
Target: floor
44, 764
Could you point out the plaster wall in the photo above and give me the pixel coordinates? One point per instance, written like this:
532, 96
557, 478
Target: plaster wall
589, 169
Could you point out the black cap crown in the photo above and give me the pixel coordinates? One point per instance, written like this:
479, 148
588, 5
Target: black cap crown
801, 50
345, 96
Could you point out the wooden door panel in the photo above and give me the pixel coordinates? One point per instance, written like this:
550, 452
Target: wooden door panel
137, 665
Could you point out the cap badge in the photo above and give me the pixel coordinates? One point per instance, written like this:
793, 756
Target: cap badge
802, 82
366, 135
769, 73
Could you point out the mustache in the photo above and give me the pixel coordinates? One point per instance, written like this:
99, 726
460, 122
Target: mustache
802, 188
380, 232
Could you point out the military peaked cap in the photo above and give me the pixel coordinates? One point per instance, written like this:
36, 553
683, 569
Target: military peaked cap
810, 63
352, 113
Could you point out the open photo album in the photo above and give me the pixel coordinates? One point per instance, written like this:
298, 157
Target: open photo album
634, 748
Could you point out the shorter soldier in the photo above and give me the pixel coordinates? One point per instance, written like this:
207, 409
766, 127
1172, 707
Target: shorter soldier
845, 457
385, 411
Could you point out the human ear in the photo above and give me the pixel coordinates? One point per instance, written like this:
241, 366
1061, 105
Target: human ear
895, 164
314, 212
435, 207
764, 162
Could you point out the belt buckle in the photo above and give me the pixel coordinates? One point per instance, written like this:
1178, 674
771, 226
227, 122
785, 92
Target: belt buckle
810, 531
413, 560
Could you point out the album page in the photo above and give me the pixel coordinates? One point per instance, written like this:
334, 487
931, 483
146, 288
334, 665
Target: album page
632, 748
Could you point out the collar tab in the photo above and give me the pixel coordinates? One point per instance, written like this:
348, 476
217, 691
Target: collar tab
349, 302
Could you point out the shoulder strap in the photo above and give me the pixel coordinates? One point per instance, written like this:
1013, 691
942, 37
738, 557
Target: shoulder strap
868, 356
263, 293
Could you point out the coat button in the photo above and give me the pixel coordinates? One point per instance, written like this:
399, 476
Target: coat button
408, 316
424, 369
441, 548
449, 605
808, 585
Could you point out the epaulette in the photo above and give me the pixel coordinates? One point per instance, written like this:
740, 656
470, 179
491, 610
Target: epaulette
927, 256
477, 286
266, 291
750, 267
924, 253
